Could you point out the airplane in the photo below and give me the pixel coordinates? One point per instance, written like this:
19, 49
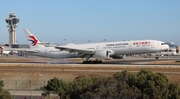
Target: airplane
4, 52
100, 51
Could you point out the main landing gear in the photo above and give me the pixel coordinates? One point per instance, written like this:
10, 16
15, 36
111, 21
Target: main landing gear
157, 57
92, 62
87, 61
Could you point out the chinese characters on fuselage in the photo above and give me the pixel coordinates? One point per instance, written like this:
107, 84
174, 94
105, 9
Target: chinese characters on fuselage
141, 43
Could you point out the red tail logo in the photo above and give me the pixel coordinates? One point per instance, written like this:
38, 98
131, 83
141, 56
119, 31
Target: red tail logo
33, 40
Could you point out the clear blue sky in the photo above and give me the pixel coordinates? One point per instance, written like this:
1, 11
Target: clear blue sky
95, 20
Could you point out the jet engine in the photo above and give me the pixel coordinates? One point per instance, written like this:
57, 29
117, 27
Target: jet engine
118, 56
102, 54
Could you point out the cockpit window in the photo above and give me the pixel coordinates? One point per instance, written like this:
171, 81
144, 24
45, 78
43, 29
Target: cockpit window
163, 43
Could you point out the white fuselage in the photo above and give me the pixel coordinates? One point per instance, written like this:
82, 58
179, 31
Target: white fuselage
118, 48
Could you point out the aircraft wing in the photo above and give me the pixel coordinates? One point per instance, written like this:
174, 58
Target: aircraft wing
75, 50
21, 49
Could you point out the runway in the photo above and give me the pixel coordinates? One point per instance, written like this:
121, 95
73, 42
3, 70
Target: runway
127, 61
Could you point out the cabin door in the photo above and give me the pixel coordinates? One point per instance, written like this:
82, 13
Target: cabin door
152, 44
130, 45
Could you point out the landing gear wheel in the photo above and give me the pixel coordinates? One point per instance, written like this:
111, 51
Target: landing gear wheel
100, 61
84, 62
92, 62
156, 58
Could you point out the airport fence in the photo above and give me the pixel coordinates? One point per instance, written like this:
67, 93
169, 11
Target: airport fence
24, 84
26, 89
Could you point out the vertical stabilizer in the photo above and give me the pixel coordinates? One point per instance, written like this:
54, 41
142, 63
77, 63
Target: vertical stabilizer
33, 41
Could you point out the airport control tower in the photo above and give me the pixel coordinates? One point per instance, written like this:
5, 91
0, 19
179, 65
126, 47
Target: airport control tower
12, 21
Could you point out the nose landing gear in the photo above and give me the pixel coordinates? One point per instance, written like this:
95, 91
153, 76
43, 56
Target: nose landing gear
156, 57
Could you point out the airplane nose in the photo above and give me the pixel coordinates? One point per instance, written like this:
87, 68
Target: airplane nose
165, 47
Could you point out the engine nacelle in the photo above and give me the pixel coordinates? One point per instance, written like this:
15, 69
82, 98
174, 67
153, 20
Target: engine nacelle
102, 54
118, 56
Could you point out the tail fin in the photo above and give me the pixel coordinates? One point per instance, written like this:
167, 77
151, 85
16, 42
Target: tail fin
33, 41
